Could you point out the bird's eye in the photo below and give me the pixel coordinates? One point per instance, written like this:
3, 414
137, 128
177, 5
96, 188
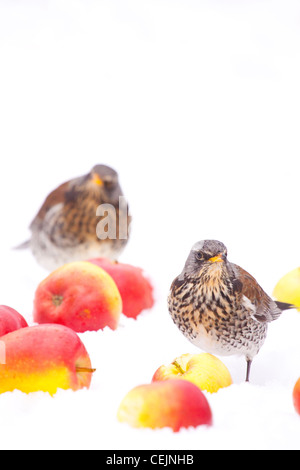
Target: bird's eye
199, 256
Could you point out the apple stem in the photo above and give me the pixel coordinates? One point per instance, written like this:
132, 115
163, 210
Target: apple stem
85, 369
178, 367
57, 300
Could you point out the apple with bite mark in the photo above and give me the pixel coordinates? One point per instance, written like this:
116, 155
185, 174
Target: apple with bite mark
44, 358
296, 397
204, 370
175, 403
10, 320
135, 289
79, 295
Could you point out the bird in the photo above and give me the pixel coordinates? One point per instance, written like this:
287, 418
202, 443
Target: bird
83, 218
220, 307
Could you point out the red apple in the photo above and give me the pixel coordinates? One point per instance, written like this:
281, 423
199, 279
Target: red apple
79, 295
135, 289
296, 396
44, 358
204, 370
10, 320
175, 403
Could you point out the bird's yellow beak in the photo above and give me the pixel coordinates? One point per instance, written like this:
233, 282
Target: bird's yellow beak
97, 180
217, 259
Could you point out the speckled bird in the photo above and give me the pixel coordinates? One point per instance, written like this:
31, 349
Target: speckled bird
66, 227
219, 306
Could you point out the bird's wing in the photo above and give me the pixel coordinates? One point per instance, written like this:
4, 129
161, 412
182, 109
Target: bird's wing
56, 197
265, 309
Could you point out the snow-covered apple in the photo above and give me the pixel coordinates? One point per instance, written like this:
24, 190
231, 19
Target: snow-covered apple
10, 320
296, 396
135, 288
288, 288
176, 404
79, 295
44, 358
204, 370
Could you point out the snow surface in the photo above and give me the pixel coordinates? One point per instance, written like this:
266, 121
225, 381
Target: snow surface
196, 104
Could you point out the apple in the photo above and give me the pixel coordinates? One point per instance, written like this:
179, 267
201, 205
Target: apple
44, 358
204, 370
296, 397
79, 295
135, 289
175, 403
288, 288
10, 320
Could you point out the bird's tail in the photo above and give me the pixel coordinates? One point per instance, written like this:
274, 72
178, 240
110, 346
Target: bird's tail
23, 246
284, 306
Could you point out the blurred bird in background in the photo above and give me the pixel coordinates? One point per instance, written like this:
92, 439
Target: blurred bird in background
220, 307
83, 218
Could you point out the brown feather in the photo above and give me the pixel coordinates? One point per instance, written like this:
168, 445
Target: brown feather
55, 197
266, 309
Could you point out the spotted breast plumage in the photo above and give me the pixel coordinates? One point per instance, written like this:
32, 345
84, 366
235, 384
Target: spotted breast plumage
220, 307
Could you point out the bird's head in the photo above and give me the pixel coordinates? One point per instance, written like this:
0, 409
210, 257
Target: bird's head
206, 256
102, 183
104, 177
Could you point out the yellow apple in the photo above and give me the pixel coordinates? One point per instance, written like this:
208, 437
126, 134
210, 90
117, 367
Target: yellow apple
204, 370
288, 288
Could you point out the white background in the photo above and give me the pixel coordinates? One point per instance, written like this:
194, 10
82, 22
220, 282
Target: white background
196, 105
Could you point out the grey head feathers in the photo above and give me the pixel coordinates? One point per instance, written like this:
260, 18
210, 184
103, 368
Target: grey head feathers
206, 249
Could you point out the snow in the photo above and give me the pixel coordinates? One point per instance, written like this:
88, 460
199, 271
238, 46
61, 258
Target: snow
196, 104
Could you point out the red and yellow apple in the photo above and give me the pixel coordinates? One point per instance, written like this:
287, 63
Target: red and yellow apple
44, 358
288, 288
296, 396
10, 320
135, 289
79, 295
176, 404
204, 370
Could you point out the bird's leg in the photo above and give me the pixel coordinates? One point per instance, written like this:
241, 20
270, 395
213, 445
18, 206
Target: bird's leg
249, 363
